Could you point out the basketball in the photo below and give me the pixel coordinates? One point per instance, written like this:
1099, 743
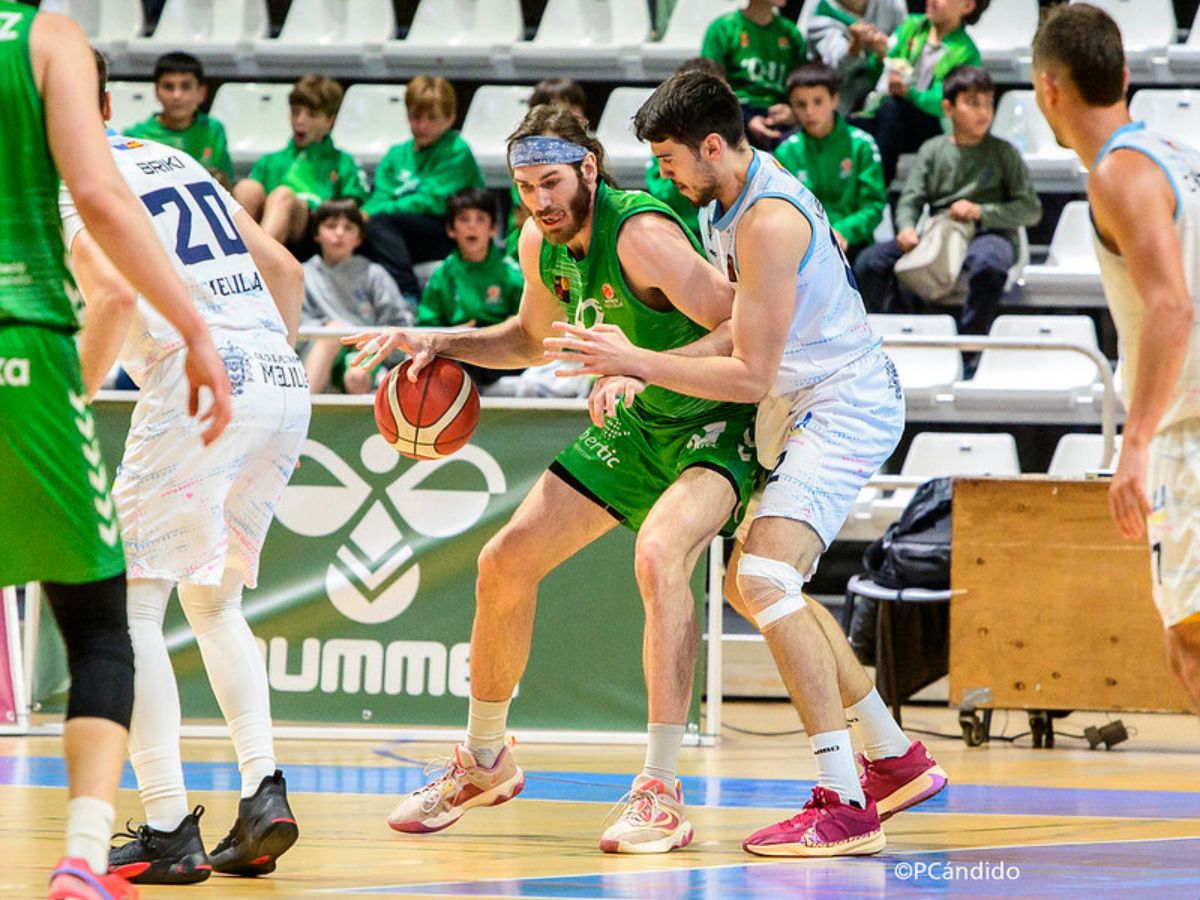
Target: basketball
429, 418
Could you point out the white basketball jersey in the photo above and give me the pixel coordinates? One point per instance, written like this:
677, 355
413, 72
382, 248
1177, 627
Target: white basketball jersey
1181, 164
829, 326
193, 217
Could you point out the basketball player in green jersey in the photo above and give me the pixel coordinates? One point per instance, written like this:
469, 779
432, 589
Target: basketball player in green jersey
674, 468
57, 521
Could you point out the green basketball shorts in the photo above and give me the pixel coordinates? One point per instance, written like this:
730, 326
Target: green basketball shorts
627, 465
57, 518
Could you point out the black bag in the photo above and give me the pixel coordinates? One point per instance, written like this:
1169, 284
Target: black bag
914, 552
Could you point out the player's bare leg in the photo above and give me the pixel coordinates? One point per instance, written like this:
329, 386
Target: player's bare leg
681, 525
550, 526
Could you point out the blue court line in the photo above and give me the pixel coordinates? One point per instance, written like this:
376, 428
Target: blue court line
1044, 872
602, 787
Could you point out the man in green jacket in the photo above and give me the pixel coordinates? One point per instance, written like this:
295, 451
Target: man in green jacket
407, 208
836, 161
906, 109
974, 177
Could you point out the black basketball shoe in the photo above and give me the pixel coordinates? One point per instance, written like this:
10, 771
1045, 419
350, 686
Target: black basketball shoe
162, 857
264, 830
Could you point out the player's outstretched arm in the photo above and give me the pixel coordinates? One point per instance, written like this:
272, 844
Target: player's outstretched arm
1134, 208
283, 272
110, 301
66, 75
760, 323
512, 344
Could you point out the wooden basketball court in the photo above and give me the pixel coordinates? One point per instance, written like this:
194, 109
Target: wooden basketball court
1014, 822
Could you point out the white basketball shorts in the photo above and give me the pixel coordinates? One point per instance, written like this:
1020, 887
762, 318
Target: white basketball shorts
822, 444
188, 512
1174, 525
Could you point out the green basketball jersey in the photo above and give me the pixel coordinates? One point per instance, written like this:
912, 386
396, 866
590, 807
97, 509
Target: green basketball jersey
35, 284
593, 290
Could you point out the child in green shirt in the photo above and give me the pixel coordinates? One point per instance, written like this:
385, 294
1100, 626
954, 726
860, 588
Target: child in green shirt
407, 208
180, 88
906, 109
285, 187
757, 47
836, 161
476, 285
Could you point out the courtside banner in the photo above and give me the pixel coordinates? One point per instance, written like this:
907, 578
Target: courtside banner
9, 630
366, 590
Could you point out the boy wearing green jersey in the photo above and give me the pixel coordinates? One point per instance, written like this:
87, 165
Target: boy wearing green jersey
180, 88
757, 47
287, 186
674, 468
57, 520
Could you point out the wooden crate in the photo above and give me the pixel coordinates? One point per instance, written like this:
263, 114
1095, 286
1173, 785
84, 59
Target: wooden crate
1052, 607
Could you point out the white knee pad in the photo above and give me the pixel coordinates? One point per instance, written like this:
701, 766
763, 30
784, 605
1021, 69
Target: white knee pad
772, 590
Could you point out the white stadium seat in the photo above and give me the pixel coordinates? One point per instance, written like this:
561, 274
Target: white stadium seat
109, 24
495, 111
132, 102
940, 454
1147, 28
1078, 454
372, 119
459, 32
1004, 34
684, 33
1020, 122
924, 371
255, 117
329, 31
1173, 112
224, 30
1071, 268
585, 34
1185, 58
626, 155
1013, 380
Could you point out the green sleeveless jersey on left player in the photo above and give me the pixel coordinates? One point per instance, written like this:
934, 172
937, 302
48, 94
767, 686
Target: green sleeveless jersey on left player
593, 290
36, 286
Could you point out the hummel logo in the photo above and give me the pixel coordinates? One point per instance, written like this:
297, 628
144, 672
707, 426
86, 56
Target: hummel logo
832, 749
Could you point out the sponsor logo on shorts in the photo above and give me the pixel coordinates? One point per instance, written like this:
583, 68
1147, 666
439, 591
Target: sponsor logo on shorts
708, 437
97, 474
603, 451
14, 372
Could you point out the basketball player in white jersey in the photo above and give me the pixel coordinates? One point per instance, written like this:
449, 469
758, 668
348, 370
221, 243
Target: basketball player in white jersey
1144, 190
194, 520
830, 415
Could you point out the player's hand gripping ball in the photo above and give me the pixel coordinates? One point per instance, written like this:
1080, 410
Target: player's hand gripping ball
429, 418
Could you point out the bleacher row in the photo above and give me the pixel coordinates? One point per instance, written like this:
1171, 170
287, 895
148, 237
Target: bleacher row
609, 40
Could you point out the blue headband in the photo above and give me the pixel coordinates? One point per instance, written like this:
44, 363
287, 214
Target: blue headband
541, 150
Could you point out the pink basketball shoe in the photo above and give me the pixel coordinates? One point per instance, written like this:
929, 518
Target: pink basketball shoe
825, 827
900, 782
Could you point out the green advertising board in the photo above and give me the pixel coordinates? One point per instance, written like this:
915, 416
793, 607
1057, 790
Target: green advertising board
366, 590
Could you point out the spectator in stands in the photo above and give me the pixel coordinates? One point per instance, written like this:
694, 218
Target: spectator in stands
343, 289
476, 285
975, 177
837, 32
663, 188
286, 186
906, 108
407, 208
757, 47
179, 86
836, 161
565, 92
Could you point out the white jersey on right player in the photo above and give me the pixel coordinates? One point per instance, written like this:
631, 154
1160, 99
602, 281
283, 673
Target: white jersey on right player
192, 214
1181, 164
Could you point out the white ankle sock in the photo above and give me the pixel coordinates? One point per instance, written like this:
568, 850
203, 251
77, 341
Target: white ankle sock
662, 752
872, 721
487, 724
89, 829
835, 765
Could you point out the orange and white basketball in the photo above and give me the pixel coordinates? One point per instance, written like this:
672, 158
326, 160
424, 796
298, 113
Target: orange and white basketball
429, 418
